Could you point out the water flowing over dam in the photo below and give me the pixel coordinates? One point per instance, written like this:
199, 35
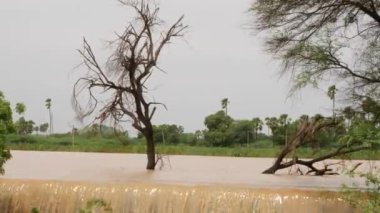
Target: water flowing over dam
46, 196
64, 182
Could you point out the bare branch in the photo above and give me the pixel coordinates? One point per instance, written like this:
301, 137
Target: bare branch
307, 129
347, 29
128, 69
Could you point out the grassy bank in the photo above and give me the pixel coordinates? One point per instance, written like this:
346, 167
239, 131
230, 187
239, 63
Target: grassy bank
122, 145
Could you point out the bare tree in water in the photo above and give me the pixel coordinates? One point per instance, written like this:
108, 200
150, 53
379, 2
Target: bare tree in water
124, 77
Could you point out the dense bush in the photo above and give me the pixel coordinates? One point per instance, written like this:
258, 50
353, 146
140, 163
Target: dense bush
20, 139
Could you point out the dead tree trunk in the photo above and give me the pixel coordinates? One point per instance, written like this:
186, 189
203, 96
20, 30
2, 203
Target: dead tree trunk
343, 150
123, 81
306, 130
277, 164
150, 150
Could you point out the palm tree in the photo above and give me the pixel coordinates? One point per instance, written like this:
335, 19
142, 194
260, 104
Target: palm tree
331, 93
48, 106
43, 127
273, 125
284, 120
36, 129
225, 103
20, 108
257, 125
348, 114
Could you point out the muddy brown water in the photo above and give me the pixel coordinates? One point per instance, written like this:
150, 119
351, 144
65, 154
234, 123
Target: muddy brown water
64, 181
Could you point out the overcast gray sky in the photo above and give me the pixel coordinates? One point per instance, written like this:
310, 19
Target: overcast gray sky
219, 58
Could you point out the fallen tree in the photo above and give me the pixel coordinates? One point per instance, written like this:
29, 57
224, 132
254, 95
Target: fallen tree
304, 135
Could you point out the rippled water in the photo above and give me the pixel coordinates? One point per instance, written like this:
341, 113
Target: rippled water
127, 168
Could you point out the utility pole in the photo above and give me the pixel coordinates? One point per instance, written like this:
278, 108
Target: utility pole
163, 137
286, 132
247, 138
73, 135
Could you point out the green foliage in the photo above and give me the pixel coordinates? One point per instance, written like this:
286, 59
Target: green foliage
217, 138
372, 109
191, 139
100, 130
62, 142
281, 128
225, 103
362, 132
331, 92
272, 124
323, 40
368, 199
6, 126
348, 113
96, 205
104, 131
219, 121
217, 125
4, 154
329, 136
168, 134
48, 106
15, 139
241, 132
20, 108
257, 126
44, 127
24, 127
92, 206
34, 210
48, 103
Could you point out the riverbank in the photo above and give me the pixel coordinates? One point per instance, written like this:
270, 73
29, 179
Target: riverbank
261, 148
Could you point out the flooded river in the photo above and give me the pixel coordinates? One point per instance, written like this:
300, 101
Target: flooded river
64, 181
130, 168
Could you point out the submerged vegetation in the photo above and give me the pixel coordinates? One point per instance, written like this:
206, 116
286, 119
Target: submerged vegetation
368, 199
